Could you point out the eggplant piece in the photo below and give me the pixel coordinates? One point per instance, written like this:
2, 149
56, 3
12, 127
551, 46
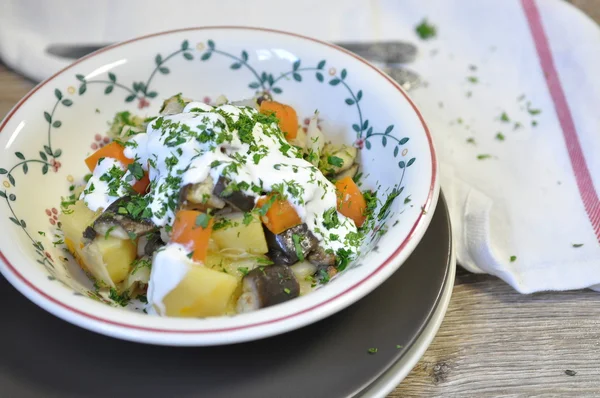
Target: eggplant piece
264, 96
321, 258
282, 249
89, 233
234, 197
119, 225
200, 196
266, 286
149, 243
174, 105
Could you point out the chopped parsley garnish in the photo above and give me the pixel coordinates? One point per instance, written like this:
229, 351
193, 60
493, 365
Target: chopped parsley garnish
139, 264
298, 247
243, 270
323, 276
472, 79
513, 259
330, 218
500, 136
532, 111
136, 170
384, 211
287, 291
504, 117
121, 299
425, 30
335, 161
471, 140
372, 351
342, 259
577, 245
265, 208
109, 230
248, 218
202, 220
407, 200
483, 156
142, 298
223, 223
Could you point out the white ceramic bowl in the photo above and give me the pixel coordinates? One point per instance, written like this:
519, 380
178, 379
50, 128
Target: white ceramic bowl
45, 138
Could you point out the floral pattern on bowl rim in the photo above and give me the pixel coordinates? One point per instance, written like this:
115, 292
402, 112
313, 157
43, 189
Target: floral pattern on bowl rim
142, 94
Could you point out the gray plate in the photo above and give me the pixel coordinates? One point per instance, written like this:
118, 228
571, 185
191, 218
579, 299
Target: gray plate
43, 356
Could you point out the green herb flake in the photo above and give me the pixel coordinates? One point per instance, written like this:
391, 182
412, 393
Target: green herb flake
121, 299
143, 298
504, 117
298, 247
202, 220
398, 346
243, 270
287, 291
108, 231
513, 259
577, 245
136, 170
335, 161
372, 351
483, 156
473, 79
500, 136
471, 140
248, 218
42, 233
407, 200
425, 30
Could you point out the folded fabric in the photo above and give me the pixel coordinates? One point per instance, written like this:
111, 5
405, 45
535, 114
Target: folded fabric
510, 95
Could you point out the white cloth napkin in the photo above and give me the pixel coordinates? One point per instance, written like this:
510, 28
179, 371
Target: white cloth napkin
523, 199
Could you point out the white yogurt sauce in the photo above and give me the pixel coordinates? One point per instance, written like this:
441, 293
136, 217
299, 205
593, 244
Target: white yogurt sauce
173, 146
205, 141
96, 193
169, 267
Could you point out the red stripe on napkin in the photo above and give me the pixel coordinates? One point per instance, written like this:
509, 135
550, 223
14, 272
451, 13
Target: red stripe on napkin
582, 173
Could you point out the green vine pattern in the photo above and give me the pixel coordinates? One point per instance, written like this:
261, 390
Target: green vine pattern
263, 82
267, 82
139, 90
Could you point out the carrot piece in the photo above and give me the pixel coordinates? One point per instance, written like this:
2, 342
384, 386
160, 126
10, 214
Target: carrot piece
280, 216
113, 150
351, 202
288, 119
142, 185
192, 229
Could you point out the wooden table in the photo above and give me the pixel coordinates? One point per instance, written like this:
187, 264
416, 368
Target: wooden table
493, 341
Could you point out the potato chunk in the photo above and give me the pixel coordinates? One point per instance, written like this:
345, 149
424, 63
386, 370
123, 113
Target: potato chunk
108, 259
235, 234
202, 292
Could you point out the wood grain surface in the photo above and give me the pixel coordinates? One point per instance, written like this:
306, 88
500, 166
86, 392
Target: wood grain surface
493, 341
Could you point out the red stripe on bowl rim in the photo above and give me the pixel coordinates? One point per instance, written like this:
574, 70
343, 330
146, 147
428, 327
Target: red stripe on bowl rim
390, 259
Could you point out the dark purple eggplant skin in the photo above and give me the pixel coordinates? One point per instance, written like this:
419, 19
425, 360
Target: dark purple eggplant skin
282, 249
274, 284
111, 217
236, 199
321, 258
89, 233
153, 244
